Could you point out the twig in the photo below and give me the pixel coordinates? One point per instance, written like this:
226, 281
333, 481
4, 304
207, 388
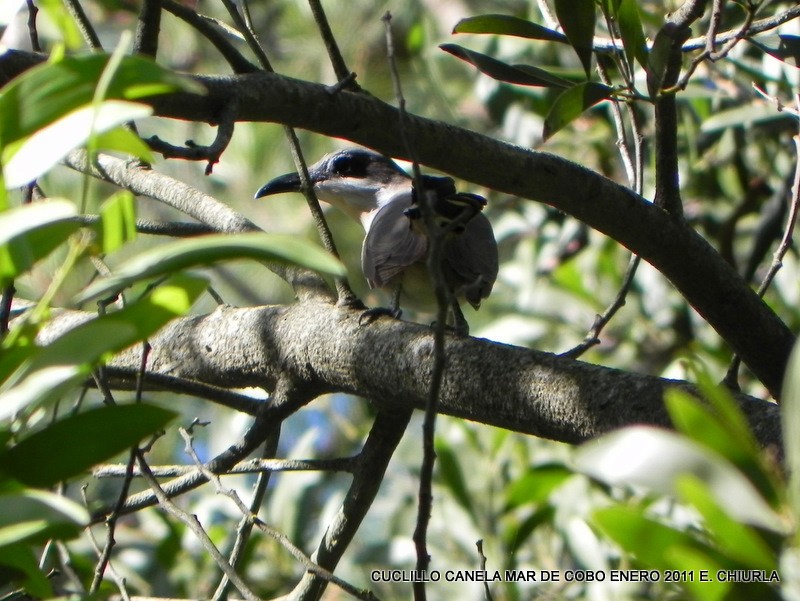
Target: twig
173, 229
84, 25
731, 377
195, 152
33, 33
196, 527
343, 74
384, 436
245, 527
255, 521
487, 593
344, 292
434, 264
148, 28
209, 29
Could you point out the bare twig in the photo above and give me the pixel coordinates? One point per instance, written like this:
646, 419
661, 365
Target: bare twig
84, 25
434, 264
343, 74
731, 377
487, 593
148, 28
272, 532
195, 152
196, 527
33, 33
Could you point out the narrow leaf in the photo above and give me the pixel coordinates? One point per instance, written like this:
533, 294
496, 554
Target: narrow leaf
452, 476
207, 250
577, 18
530, 76
536, 485
630, 29
572, 103
508, 25
31, 232
82, 441
118, 220
784, 47
657, 62
47, 146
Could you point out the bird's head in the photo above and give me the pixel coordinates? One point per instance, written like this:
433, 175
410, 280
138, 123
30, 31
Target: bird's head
355, 180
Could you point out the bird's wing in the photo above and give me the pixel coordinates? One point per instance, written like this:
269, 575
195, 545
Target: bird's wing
470, 260
391, 244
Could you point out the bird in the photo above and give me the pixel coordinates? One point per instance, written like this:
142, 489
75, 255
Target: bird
373, 189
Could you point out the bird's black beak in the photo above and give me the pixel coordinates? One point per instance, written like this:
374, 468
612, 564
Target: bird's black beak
289, 182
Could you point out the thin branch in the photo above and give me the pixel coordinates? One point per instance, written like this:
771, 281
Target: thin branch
210, 29
272, 532
384, 436
148, 27
196, 527
250, 466
84, 25
343, 74
173, 229
245, 527
195, 152
434, 264
33, 33
731, 377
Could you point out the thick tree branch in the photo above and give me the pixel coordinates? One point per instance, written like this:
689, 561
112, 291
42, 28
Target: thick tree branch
707, 282
323, 348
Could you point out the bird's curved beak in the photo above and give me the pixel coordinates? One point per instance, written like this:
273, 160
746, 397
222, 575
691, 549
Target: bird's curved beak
289, 182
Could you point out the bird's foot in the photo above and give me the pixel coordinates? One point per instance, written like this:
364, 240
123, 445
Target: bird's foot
370, 315
461, 330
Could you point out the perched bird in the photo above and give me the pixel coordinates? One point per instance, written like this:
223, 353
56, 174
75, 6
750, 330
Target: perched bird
374, 190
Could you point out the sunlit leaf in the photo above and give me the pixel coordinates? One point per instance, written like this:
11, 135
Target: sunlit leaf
508, 25
52, 90
46, 147
630, 29
733, 538
531, 76
577, 19
572, 103
31, 232
536, 485
655, 458
207, 250
36, 515
103, 432
118, 220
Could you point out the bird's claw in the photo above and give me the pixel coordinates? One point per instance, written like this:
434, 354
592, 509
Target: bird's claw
370, 315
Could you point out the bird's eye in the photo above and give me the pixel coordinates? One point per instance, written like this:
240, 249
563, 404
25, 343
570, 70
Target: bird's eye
342, 165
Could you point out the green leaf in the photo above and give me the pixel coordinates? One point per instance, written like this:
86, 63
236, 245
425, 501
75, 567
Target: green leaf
19, 567
577, 18
25, 162
59, 365
630, 29
653, 458
118, 220
31, 232
452, 476
508, 25
50, 91
536, 485
739, 542
64, 22
82, 441
207, 250
657, 62
530, 76
790, 414
34, 516
572, 103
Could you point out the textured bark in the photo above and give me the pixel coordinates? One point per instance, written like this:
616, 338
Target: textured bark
322, 348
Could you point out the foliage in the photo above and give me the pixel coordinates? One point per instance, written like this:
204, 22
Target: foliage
702, 500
